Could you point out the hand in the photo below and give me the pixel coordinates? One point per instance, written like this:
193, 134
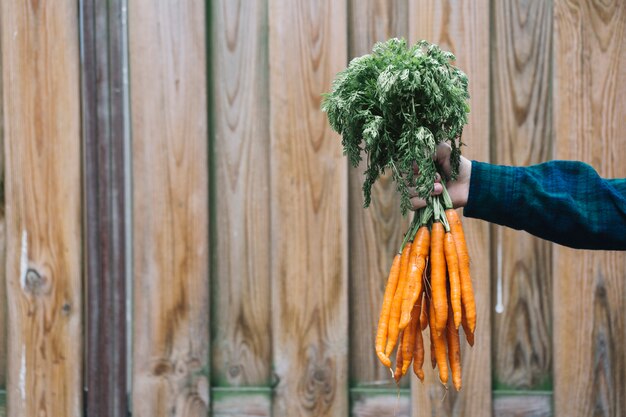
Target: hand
458, 189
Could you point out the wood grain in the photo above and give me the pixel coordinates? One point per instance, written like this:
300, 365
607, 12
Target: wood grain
241, 402
526, 405
241, 354
396, 403
463, 28
590, 287
3, 286
521, 115
376, 232
104, 177
170, 206
40, 66
308, 46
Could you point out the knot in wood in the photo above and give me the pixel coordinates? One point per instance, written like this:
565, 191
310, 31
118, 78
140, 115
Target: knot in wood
34, 282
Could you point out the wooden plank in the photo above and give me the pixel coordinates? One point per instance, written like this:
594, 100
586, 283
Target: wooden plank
241, 402
526, 405
308, 46
375, 233
3, 409
380, 402
521, 114
589, 287
170, 206
3, 292
3, 289
105, 228
463, 28
242, 290
40, 60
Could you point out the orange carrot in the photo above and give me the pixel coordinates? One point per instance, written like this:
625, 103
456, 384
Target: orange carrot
383, 321
396, 303
454, 351
408, 342
469, 335
438, 278
467, 293
424, 315
418, 347
453, 274
412, 289
438, 348
398, 372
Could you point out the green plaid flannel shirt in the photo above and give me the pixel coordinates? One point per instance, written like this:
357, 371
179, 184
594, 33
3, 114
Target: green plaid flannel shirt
566, 202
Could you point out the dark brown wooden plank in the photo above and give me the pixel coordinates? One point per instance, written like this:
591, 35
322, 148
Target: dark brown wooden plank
104, 180
524, 405
241, 354
376, 232
463, 28
41, 109
590, 287
309, 201
167, 47
521, 114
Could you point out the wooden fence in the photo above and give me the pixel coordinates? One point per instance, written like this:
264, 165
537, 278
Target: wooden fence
256, 274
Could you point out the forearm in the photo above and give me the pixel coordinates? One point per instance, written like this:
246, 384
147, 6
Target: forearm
565, 202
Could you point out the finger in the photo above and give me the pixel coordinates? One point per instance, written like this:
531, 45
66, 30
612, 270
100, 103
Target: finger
442, 156
437, 189
418, 203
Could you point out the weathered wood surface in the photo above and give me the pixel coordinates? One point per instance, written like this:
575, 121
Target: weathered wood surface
40, 68
368, 403
104, 207
241, 402
463, 28
241, 345
309, 177
522, 405
3, 289
170, 206
590, 287
375, 232
521, 114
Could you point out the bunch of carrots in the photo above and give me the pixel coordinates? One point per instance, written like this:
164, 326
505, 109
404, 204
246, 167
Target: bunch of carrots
429, 285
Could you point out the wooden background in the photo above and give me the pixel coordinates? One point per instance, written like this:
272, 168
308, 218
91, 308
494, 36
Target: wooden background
256, 274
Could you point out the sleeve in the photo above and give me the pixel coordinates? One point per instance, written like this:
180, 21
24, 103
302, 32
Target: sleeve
565, 202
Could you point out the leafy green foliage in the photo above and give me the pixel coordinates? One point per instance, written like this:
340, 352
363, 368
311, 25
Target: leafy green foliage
394, 106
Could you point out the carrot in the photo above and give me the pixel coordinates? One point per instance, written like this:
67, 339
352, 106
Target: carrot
419, 252
424, 315
408, 342
396, 302
438, 348
467, 293
453, 275
418, 347
454, 351
438, 278
398, 372
412, 289
469, 335
383, 321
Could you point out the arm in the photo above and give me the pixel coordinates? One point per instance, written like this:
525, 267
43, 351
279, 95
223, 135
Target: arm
566, 202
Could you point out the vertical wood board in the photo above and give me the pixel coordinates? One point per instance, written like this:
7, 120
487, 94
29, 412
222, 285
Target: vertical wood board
40, 63
462, 27
170, 205
104, 207
521, 111
241, 354
376, 232
590, 287
308, 46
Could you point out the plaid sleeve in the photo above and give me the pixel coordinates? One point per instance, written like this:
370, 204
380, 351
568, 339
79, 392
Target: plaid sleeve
566, 202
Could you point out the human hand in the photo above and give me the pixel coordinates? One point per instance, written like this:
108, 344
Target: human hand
458, 189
